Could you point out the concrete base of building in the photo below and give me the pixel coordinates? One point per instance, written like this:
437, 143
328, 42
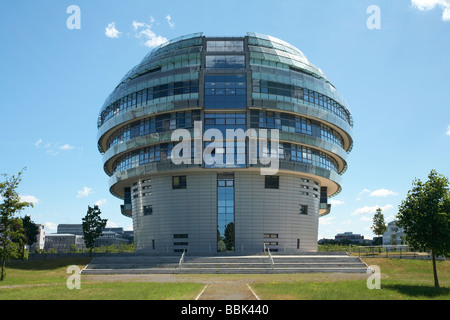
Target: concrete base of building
189, 219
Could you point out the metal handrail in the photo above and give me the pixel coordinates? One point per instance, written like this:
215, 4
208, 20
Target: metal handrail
270, 256
181, 259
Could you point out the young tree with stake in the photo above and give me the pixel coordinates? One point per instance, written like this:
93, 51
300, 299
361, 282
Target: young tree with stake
379, 226
93, 226
425, 217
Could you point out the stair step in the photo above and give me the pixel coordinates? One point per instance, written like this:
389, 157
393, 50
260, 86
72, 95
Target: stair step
225, 264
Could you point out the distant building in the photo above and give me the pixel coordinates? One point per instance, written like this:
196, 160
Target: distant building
40, 239
71, 229
113, 236
72, 234
63, 242
354, 238
393, 235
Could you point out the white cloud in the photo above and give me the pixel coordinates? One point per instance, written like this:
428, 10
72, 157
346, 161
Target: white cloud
100, 202
66, 147
111, 31
28, 198
369, 210
155, 41
336, 202
50, 226
54, 148
383, 193
376, 193
169, 21
84, 193
362, 193
425, 5
448, 131
366, 218
111, 224
136, 25
144, 32
325, 221
390, 218
37, 143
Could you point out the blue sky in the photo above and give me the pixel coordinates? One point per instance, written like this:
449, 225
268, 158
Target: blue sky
54, 81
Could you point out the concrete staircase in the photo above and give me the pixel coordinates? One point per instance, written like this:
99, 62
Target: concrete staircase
251, 264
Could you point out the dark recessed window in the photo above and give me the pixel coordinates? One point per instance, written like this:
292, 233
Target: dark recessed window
272, 182
179, 182
180, 236
181, 243
303, 209
148, 210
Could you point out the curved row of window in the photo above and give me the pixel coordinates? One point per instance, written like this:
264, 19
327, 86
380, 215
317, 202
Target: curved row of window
292, 123
300, 94
155, 92
160, 123
192, 86
222, 121
296, 153
163, 153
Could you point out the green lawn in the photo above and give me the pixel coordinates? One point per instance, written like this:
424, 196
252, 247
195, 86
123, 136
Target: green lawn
401, 279
106, 291
46, 280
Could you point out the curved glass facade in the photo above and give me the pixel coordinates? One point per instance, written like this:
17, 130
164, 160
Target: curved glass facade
210, 87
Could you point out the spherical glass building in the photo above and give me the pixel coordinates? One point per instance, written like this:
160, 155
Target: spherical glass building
195, 84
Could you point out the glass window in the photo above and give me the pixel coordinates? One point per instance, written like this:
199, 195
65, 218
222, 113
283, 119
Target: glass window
225, 46
225, 62
159, 123
223, 121
148, 210
225, 92
298, 93
272, 182
303, 209
179, 182
225, 213
137, 98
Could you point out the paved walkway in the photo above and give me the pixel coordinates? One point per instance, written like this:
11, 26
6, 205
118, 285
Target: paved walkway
227, 291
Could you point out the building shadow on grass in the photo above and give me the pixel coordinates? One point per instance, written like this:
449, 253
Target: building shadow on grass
418, 290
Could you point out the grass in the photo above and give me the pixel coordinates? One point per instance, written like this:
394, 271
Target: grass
106, 291
46, 280
402, 279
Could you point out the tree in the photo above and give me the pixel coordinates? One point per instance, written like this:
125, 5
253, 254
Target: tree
11, 229
379, 226
93, 226
425, 217
31, 231
229, 236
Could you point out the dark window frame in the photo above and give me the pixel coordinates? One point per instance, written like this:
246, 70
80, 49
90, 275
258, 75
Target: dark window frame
272, 182
181, 184
147, 210
303, 209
